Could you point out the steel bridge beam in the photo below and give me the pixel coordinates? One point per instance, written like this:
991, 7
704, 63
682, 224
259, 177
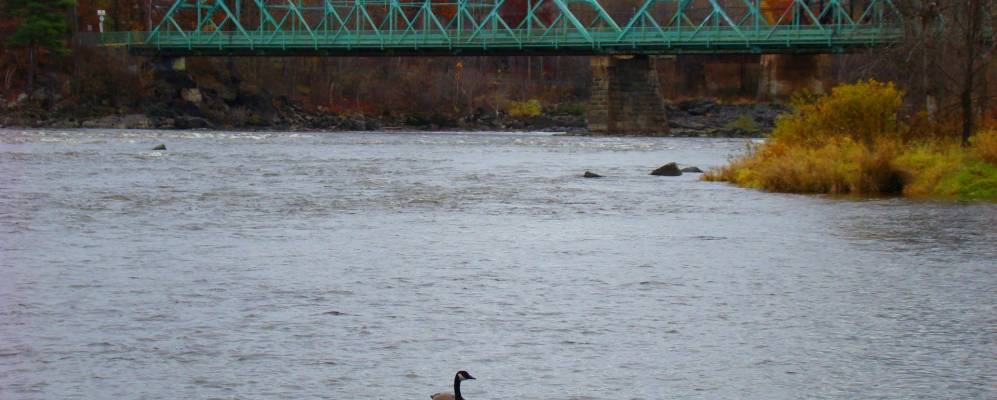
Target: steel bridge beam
449, 27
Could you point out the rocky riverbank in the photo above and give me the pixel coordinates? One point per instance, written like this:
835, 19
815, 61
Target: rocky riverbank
709, 118
203, 109
297, 120
693, 118
181, 103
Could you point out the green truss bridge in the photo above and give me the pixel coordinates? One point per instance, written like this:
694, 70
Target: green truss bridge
509, 27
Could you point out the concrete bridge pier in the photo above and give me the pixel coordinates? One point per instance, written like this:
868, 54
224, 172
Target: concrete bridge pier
785, 74
625, 96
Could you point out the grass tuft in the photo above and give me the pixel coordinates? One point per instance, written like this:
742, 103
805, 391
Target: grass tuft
743, 123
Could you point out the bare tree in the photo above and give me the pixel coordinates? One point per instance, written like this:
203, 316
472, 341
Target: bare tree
948, 51
972, 64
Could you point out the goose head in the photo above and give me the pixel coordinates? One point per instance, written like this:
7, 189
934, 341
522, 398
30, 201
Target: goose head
463, 376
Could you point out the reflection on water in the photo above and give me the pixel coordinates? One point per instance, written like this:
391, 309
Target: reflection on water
278, 265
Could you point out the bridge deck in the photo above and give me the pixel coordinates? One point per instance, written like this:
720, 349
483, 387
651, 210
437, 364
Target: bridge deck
437, 43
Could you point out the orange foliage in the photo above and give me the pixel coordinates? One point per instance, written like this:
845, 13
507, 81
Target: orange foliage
775, 9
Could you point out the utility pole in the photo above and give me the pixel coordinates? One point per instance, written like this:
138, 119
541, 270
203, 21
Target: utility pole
100, 19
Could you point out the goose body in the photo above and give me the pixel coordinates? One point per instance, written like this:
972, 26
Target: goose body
457, 379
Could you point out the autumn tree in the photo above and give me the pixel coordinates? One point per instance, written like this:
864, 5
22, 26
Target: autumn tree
41, 25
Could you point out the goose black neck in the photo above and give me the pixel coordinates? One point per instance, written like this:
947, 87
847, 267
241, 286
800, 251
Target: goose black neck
456, 388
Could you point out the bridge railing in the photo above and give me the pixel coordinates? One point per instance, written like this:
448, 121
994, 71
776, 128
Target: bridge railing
114, 39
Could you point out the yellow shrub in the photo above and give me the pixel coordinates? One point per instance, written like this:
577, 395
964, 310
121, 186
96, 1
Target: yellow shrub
838, 166
852, 142
530, 108
984, 145
862, 111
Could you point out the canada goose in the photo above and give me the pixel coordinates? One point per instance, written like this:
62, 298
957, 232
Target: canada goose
461, 376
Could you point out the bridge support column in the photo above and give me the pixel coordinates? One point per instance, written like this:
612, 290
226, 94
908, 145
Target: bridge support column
625, 97
785, 74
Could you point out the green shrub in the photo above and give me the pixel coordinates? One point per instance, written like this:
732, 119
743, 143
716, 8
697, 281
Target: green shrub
976, 181
417, 119
575, 109
440, 120
254, 120
743, 123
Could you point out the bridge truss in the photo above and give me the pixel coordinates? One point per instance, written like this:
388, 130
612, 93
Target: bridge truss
447, 27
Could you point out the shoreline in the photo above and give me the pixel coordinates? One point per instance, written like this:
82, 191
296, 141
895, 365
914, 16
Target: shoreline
567, 132
690, 118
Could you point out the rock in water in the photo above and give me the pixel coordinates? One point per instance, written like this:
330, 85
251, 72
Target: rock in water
160, 147
670, 169
694, 170
590, 174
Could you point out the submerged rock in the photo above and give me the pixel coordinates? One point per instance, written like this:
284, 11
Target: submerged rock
694, 170
159, 147
590, 174
670, 169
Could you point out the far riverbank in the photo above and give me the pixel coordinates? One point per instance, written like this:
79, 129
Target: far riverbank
700, 117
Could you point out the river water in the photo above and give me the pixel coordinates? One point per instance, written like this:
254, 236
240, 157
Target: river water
294, 265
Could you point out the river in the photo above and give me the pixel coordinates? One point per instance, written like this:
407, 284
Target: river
375, 265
